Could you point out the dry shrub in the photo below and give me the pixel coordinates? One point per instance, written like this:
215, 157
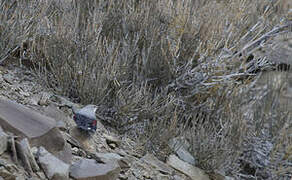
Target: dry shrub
166, 67
266, 148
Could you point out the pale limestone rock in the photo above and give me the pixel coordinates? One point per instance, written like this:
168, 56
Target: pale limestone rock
193, 172
178, 145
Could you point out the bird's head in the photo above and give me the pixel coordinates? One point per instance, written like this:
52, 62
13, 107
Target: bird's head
88, 111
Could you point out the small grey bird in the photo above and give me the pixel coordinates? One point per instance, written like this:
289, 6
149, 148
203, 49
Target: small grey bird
85, 117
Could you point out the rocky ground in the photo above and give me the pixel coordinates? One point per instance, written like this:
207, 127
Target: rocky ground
39, 140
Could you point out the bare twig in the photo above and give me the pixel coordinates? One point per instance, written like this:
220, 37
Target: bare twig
249, 47
11, 51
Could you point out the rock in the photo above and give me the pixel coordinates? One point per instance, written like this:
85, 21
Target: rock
9, 78
123, 177
53, 167
229, 178
34, 151
109, 157
33, 100
72, 141
12, 148
24, 158
3, 162
20, 178
88, 169
142, 170
111, 139
189, 170
161, 177
41, 175
9, 166
219, 176
179, 146
24, 93
6, 174
23, 149
66, 154
34, 178
3, 141
62, 120
62, 101
12, 168
44, 99
160, 166
176, 177
112, 145
61, 125
75, 151
27, 123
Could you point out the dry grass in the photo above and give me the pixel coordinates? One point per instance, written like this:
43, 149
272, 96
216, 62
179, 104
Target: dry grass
167, 68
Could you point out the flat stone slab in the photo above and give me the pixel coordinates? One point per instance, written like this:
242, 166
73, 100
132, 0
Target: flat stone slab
179, 146
159, 165
54, 168
3, 141
27, 123
193, 172
88, 169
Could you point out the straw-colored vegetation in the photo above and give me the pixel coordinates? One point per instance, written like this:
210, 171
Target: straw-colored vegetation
161, 69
